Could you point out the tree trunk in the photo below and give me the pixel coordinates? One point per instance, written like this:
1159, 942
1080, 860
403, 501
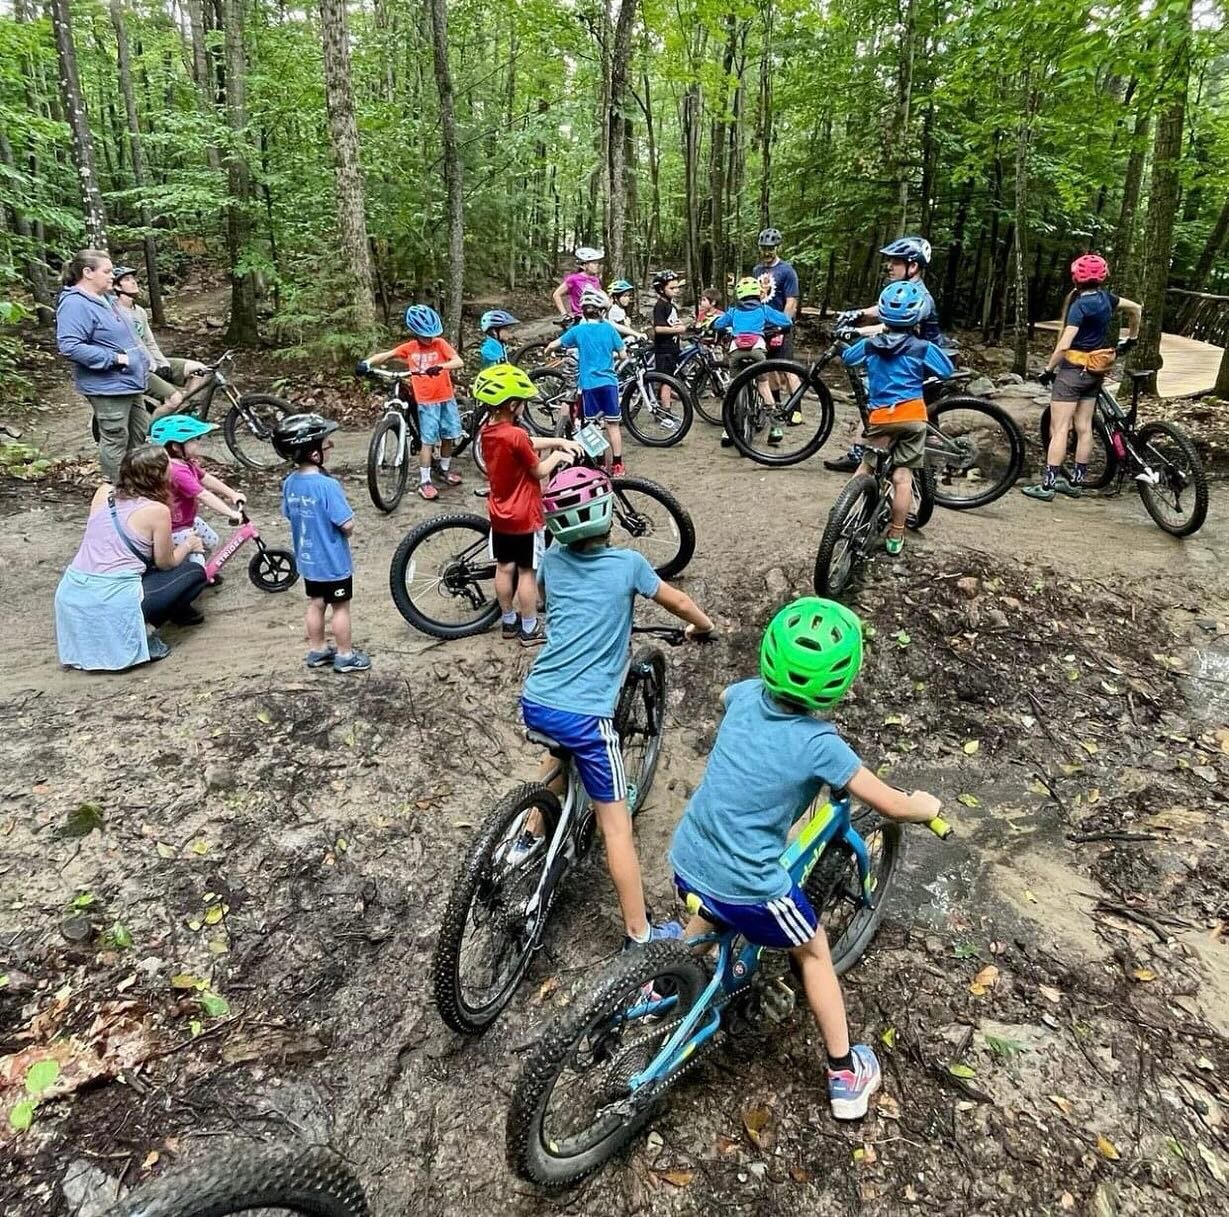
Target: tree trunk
617, 124
951, 272
343, 137
1122, 258
1163, 188
34, 269
1211, 250
904, 101
79, 126
1222, 376
243, 330
452, 171
691, 151
1019, 363
717, 166
202, 73
654, 230
765, 118
153, 285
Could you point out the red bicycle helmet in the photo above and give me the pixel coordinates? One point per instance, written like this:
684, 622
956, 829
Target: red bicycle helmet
1089, 268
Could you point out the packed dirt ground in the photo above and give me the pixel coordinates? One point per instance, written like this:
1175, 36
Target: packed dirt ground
221, 876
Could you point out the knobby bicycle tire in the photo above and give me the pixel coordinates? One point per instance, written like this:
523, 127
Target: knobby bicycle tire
529, 355
312, 1181
751, 373
387, 432
924, 498
696, 383
632, 406
1103, 461
467, 883
646, 681
1199, 480
859, 500
1014, 442
667, 568
529, 1154
237, 432
555, 388
471, 529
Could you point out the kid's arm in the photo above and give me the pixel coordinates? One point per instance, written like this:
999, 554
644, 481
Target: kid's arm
556, 443
213, 502
209, 482
379, 357
451, 365
683, 607
347, 528
916, 808
545, 468
166, 553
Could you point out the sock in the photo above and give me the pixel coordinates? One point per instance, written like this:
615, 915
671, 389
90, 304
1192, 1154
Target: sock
1051, 476
841, 1064
1079, 473
528, 625
424, 474
856, 450
507, 618
647, 935
445, 461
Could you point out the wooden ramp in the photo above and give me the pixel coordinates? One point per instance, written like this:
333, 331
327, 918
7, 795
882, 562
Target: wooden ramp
1188, 367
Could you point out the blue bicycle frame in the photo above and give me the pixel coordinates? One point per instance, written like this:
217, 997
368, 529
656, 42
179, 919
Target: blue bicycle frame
829, 822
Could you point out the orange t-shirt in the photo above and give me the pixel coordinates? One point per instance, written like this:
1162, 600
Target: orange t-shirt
418, 356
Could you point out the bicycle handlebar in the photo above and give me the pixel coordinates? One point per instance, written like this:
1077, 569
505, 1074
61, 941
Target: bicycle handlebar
673, 635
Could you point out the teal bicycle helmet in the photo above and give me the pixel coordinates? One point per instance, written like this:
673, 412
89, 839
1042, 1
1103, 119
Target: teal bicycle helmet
178, 429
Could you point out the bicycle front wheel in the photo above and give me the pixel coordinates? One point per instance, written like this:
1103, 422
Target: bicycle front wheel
1178, 499
787, 416
388, 463
530, 355
640, 720
707, 384
248, 429
922, 501
573, 1107
442, 577
312, 1181
653, 418
555, 393
650, 520
975, 449
1102, 461
488, 935
848, 536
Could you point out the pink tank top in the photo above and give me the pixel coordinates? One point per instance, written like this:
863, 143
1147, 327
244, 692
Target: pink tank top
103, 551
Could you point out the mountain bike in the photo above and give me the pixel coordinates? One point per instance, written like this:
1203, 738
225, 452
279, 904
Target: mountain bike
530, 355
312, 1181
1159, 457
442, 575
496, 914
398, 437
974, 447
594, 1077
705, 374
248, 424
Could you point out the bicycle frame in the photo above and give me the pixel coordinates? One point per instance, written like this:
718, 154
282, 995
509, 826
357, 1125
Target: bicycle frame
247, 531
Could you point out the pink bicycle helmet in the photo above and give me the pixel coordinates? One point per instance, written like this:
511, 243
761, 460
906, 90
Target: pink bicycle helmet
579, 503
1089, 268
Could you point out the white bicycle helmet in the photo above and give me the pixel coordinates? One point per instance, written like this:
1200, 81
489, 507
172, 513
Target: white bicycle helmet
592, 298
586, 253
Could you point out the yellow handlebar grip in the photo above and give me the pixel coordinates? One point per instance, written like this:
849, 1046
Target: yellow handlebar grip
940, 827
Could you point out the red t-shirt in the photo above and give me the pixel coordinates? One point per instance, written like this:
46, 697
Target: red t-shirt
515, 500
419, 355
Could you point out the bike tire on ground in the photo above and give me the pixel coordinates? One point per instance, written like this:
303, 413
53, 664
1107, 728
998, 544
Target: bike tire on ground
1149, 434
633, 408
854, 504
255, 448
645, 687
746, 377
386, 436
666, 567
923, 498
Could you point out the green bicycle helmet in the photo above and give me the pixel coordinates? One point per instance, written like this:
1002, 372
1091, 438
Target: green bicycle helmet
811, 653
503, 382
747, 288
178, 429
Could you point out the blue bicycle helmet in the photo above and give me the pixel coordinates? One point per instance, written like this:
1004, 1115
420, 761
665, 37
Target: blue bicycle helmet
423, 321
911, 249
178, 429
619, 286
496, 319
902, 305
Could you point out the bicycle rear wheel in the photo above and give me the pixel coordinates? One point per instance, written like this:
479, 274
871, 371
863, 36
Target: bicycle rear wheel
835, 891
790, 429
649, 519
442, 576
848, 536
530, 354
248, 429
555, 393
651, 420
573, 1108
487, 937
975, 450
312, 1181
640, 720
1178, 502
388, 463
1102, 461
922, 504
707, 384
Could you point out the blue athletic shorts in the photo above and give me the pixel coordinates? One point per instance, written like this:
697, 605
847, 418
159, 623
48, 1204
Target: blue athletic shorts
788, 921
592, 741
439, 420
602, 402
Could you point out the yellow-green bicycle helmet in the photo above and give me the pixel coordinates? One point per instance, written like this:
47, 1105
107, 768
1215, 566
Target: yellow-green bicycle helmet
503, 382
811, 652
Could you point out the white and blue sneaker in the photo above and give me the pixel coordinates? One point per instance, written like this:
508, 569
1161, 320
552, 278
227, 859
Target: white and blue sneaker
523, 848
356, 661
663, 931
849, 1091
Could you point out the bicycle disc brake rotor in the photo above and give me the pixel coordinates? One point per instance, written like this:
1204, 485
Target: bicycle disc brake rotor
955, 455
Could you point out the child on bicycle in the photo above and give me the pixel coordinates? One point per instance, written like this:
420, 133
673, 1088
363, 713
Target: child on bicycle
180, 435
321, 522
567, 295
621, 294
514, 503
897, 362
492, 325
597, 344
573, 686
727, 848
746, 323
430, 360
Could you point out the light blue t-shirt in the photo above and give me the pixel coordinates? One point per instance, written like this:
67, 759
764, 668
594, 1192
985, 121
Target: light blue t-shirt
766, 767
589, 598
316, 507
492, 351
595, 344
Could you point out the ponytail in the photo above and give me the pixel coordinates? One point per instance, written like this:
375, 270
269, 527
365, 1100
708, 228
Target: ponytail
80, 262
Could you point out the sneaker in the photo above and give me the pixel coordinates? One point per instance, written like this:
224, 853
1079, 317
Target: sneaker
726, 441
894, 545
1073, 490
849, 1091
524, 848
845, 464
617, 470
1038, 491
320, 659
776, 435
157, 648
481, 492
356, 661
451, 477
509, 631
795, 419
535, 638
663, 931
428, 491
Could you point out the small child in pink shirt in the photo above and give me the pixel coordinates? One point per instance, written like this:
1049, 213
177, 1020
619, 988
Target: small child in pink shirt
180, 435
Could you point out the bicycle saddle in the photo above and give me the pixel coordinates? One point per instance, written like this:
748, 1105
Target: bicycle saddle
1140, 375
553, 746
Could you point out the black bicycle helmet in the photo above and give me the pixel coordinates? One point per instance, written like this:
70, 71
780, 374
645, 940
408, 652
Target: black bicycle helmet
662, 277
769, 237
296, 437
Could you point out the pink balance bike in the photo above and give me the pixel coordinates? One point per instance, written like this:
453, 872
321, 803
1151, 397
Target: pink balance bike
271, 570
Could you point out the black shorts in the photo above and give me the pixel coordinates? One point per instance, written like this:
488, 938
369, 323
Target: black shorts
331, 591
513, 547
666, 359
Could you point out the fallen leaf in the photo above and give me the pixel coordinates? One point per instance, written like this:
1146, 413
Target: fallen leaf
888, 1107
965, 1105
150, 1160
726, 1145
1050, 993
213, 1005
42, 1076
888, 1037
676, 1178
1106, 1148
1144, 974
798, 1175
213, 914
1028, 895
758, 1123
164, 850
865, 1155
971, 746
1039, 788
988, 976
1063, 1105
969, 800
959, 1070
263, 716
22, 1114
547, 987
200, 846
910, 1193
1212, 1162
185, 980
902, 638
1089, 747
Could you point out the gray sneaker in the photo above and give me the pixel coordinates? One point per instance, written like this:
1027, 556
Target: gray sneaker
320, 659
356, 661
157, 648
1073, 490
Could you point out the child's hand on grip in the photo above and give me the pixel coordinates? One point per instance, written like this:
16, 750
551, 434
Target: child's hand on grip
923, 807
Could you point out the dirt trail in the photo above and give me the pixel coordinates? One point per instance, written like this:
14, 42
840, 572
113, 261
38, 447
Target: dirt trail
322, 818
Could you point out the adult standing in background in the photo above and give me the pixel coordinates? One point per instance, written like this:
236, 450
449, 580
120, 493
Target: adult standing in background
110, 363
781, 283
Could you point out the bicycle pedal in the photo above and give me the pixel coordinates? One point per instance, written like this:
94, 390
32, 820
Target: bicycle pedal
778, 1000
